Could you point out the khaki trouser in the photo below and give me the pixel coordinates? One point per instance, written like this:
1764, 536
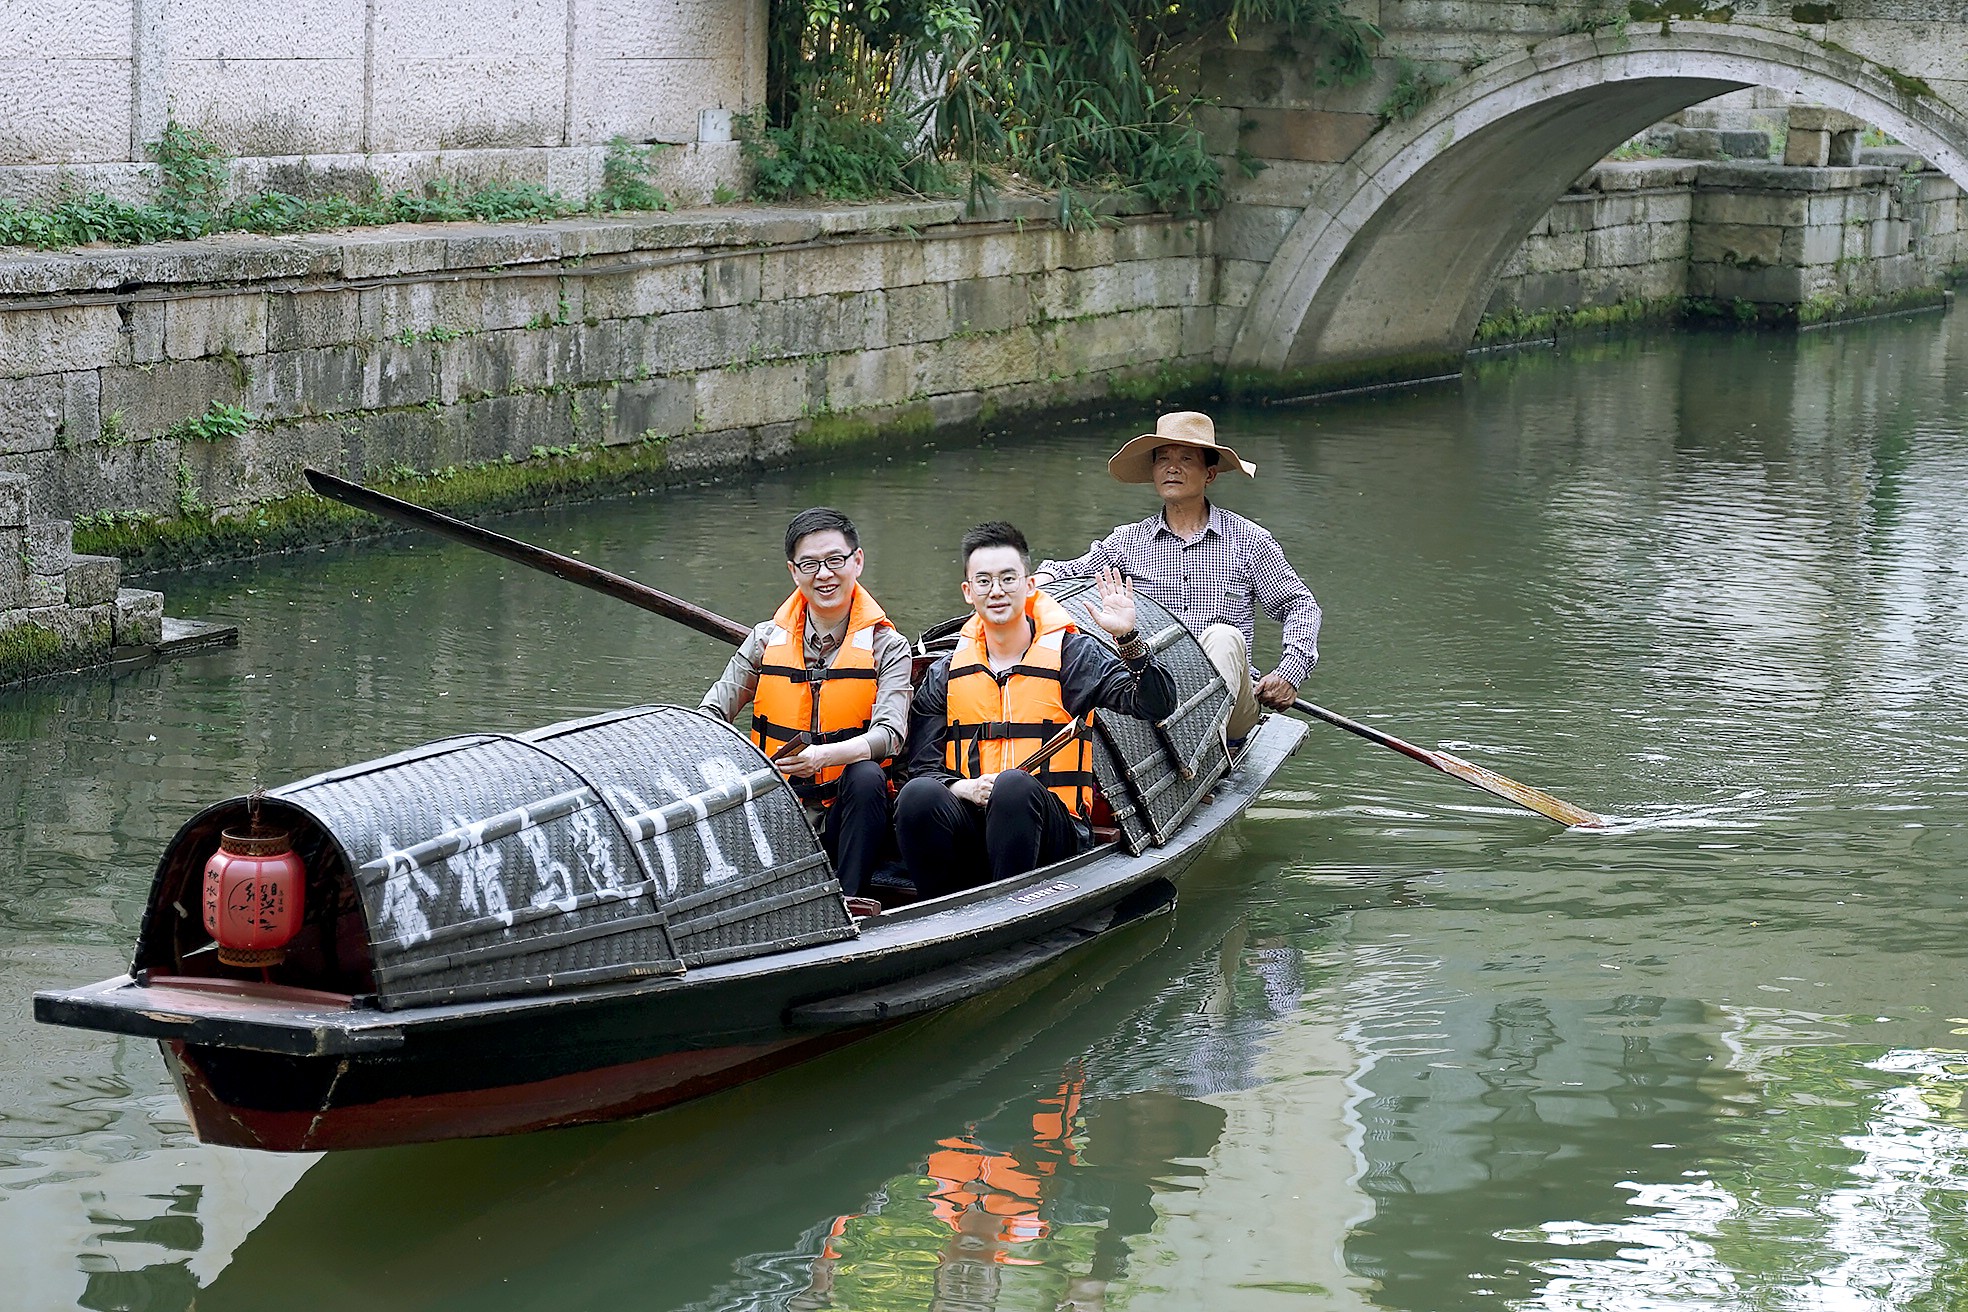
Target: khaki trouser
1225, 647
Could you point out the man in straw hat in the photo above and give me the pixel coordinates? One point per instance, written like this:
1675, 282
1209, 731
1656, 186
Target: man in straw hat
1209, 567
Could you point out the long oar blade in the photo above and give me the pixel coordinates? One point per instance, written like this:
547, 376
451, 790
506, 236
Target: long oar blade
551, 562
1531, 799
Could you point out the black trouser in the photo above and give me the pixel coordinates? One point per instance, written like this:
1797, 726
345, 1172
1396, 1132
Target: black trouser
855, 831
950, 844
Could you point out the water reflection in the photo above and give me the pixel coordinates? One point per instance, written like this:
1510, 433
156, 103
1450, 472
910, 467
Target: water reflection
115, 1285
1846, 1191
1515, 1103
1034, 1207
1405, 1047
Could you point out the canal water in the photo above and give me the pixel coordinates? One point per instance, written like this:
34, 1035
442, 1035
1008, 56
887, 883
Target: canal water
1401, 1046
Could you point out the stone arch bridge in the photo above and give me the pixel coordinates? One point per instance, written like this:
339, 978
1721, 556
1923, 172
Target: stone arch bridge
1369, 245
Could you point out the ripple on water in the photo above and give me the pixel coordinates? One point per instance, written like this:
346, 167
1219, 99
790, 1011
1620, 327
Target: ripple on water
1845, 1193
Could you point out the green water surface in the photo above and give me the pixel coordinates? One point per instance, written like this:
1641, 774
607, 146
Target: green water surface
1400, 1047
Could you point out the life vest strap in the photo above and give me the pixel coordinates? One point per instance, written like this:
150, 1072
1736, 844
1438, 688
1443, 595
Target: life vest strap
999, 676
988, 729
797, 673
778, 733
815, 794
817, 674
781, 733
815, 677
1034, 672
823, 674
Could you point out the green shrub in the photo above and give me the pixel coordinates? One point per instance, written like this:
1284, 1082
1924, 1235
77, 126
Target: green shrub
626, 170
865, 97
196, 177
844, 157
220, 421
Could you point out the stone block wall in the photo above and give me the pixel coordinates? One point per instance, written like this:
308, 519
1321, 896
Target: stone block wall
351, 94
1621, 234
59, 610
204, 376
1823, 237
1803, 242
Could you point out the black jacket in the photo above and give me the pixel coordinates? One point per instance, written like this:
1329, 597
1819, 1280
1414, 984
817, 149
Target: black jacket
1089, 675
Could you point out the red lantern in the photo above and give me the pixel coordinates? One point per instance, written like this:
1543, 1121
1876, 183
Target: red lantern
253, 886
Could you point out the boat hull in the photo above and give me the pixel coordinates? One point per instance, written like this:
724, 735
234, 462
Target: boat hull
291, 1070
224, 1094
595, 1058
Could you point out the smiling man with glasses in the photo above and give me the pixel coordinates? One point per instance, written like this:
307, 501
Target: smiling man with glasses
974, 808
828, 681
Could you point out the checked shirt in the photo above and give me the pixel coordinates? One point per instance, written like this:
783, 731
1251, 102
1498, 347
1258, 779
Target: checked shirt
1224, 575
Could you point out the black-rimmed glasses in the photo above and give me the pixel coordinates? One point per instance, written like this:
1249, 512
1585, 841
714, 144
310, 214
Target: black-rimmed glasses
808, 566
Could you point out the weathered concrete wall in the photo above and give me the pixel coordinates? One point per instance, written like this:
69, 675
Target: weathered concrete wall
352, 92
713, 339
1815, 242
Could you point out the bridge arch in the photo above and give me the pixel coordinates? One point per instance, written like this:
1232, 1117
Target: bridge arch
1391, 263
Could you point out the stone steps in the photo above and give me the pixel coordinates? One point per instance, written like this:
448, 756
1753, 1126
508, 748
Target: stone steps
59, 610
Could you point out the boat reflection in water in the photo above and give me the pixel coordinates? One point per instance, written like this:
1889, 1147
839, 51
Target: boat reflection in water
1039, 1093
1016, 1205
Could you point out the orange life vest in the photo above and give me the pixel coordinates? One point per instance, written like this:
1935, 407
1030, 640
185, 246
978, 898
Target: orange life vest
825, 705
995, 722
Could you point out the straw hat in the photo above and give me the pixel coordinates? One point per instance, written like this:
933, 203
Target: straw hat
1134, 463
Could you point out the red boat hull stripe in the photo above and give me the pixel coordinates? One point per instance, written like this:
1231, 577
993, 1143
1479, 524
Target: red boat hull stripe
605, 1094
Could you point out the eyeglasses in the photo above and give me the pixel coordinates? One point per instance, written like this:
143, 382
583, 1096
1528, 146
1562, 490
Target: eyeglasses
1005, 582
808, 566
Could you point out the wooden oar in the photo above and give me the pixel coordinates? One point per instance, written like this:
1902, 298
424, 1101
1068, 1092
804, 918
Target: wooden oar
576, 571
717, 626
561, 567
1050, 747
1533, 799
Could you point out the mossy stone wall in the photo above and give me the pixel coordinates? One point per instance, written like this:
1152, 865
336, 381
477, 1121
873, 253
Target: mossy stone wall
166, 399
1751, 242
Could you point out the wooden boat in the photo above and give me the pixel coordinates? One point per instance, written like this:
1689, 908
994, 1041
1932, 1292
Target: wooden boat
609, 916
